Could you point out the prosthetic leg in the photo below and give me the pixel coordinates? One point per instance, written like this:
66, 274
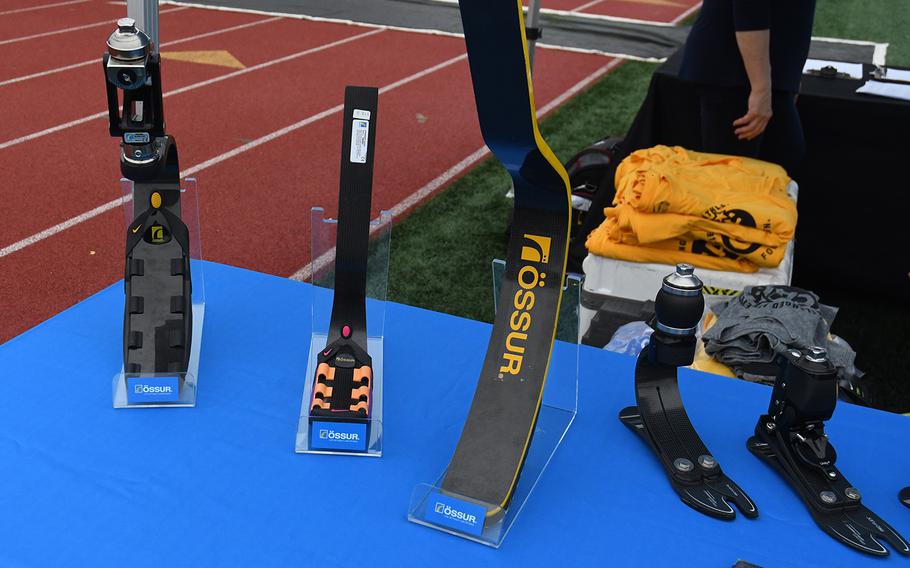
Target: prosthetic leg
343, 387
660, 418
157, 325
791, 438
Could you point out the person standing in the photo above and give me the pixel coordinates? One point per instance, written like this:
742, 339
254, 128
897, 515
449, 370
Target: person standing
747, 58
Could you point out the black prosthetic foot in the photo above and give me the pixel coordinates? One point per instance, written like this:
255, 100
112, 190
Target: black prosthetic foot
791, 438
660, 418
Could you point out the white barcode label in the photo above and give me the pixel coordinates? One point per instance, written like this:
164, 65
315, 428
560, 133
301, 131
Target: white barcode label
360, 140
362, 114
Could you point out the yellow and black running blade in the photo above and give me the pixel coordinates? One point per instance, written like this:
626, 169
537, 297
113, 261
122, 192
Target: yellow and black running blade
495, 439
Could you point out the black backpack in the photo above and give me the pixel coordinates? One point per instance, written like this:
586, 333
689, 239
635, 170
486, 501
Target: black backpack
587, 170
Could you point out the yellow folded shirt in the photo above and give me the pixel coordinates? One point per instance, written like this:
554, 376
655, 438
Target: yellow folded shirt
700, 253
715, 187
642, 228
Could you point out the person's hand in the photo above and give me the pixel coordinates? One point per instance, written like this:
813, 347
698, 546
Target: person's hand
756, 119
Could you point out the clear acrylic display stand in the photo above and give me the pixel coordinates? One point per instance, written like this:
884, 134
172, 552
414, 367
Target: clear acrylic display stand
487, 523
317, 435
124, 386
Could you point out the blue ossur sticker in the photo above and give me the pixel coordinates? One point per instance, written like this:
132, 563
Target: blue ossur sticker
143, 390
136, 137
455, 513
345, 436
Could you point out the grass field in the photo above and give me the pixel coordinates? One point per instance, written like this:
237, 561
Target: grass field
883, 21
441, 253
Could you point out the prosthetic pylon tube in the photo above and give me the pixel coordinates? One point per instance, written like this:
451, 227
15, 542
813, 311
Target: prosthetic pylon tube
660, 418
157, 327
791, 438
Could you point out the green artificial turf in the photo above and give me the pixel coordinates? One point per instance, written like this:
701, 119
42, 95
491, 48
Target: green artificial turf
883, 21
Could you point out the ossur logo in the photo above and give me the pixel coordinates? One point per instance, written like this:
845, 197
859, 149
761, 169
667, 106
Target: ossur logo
339, 436
536, 251
452, 513
149, 389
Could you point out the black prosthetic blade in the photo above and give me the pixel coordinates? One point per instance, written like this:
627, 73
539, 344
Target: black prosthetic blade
352, 237
661, 420
343, 385
857, 527
158, 312
713, 496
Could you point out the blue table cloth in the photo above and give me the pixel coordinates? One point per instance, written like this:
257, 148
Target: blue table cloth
82, 484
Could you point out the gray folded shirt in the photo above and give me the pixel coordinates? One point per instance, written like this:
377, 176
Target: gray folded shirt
764, 320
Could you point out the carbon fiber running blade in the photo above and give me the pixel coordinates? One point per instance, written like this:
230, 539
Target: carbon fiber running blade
712, 496
497, 433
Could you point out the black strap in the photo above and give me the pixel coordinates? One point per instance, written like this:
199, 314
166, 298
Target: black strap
493, 445
358, 148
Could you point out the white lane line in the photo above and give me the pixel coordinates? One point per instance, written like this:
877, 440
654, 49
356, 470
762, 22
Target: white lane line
686, 14
41, 7
78, 28
51, 130
586, 6
305, 272
84, 119
96, 60
60, 227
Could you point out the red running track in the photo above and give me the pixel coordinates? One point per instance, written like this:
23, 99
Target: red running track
263, 140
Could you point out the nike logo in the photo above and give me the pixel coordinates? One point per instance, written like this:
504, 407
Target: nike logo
136, 229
